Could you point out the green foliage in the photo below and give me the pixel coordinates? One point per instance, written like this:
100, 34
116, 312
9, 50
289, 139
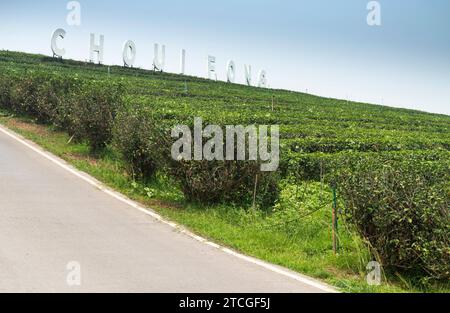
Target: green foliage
86, 109
299, 206
37, 94
135, 137
93, 111
225, 181
5, 92
401, 206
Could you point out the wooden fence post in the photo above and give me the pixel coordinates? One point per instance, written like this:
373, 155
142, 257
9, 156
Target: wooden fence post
335, 222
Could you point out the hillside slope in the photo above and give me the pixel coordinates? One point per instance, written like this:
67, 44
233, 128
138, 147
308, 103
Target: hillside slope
308, 123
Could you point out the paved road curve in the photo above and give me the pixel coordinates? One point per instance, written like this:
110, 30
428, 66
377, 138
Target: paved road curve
50, 217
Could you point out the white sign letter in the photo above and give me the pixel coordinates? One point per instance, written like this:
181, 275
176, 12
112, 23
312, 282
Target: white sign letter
159, 63
231, 71
183, 62
96, 49
248, 74
59, 33
128, 60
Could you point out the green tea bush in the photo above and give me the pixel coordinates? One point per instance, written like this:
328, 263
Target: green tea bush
86, 109
93, 110
307, 166
34, 94
136, 138
401, 206
145, 143
6, 85
225, 181
25, 95
55, 96
39, 95
217, 181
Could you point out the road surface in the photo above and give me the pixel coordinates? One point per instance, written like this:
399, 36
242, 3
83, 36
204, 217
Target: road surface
59, 233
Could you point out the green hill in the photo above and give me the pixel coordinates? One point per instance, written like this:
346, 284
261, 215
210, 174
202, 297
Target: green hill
308, 123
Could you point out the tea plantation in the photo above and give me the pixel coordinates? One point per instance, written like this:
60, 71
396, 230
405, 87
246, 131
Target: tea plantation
390, 167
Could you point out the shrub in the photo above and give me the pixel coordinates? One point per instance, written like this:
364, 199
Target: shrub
307, 166
85, 109
54, 99
218, 181
400, 205
225, 181
6, 85
93, 110
34, 95
145, 143
38, 95
135, 138
24, 95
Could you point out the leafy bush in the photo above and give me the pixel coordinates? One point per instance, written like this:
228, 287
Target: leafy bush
401, 206
135, 136
86, 109
307, 166
145, 144
93, 110
25, 95
32, 94
217, 181
6, 85
55, 96
225, 181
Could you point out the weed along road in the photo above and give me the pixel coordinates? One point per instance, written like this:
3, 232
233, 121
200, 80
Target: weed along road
61, 233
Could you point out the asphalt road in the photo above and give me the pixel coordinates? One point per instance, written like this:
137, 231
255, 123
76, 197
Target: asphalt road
59, 233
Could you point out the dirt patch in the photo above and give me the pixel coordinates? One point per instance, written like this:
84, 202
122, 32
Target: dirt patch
163, 204
40, 130
343, 273
78, 157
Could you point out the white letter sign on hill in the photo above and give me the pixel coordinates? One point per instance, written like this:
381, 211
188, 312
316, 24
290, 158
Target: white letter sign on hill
231, 71
183, 62
57, 52
248, 74
159, 62
129, 48
96, 49
129, 52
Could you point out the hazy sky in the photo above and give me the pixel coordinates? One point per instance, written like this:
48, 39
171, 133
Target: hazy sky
323, 46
